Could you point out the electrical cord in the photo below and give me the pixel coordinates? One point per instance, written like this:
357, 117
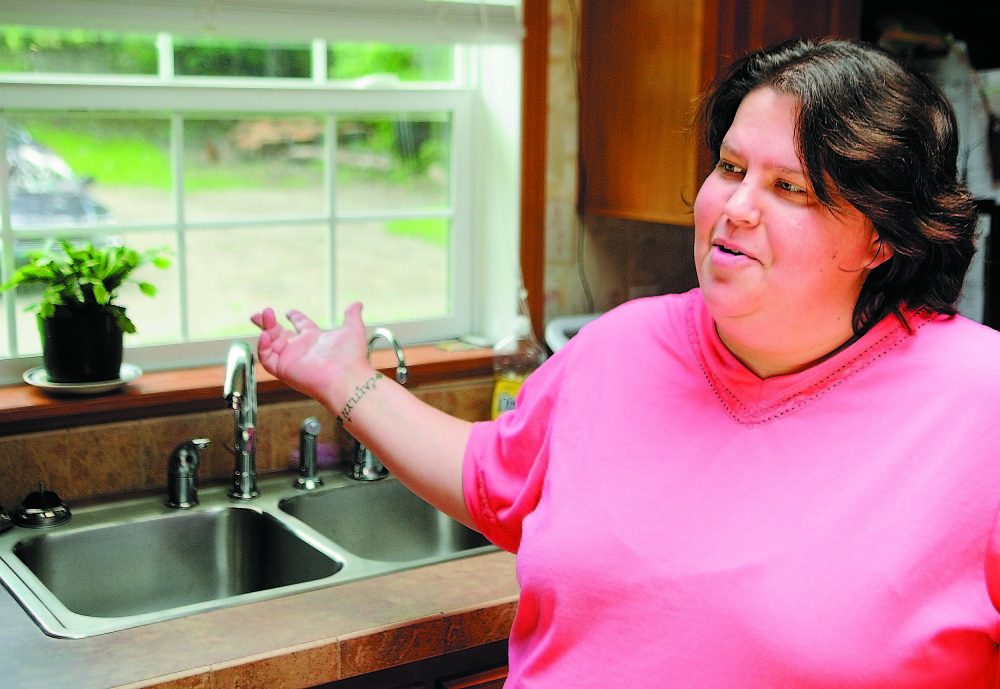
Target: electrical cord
578, 211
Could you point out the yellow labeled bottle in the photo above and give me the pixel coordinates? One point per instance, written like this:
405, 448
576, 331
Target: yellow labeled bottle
514, 358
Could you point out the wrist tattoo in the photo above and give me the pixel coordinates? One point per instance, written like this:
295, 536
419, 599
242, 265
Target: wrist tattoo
359, 392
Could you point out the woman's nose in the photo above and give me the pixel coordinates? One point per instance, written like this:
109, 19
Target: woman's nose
742, 206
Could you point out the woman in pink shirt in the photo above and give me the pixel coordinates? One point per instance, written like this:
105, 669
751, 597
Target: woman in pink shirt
785, 478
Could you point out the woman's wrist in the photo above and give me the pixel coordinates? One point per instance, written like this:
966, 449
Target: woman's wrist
355, 393
343, 392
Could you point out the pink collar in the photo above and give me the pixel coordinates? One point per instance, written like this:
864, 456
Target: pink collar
751, 400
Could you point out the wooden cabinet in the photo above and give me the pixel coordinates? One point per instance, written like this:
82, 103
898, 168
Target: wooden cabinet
643, 65
490, 679
480, 667
640, 73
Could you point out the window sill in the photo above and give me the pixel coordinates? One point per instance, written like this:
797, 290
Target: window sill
26, 409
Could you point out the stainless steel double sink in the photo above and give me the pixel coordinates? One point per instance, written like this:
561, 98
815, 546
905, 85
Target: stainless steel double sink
137, 562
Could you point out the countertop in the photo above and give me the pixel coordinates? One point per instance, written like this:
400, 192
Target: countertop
293, 642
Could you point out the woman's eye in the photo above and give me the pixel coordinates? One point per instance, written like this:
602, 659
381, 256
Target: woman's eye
791, 188
730, 168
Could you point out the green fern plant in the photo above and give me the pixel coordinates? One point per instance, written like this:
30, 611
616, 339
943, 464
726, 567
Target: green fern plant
85, 279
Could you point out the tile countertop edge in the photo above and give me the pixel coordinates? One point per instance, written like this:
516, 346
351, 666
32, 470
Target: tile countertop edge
319, 662
294, 642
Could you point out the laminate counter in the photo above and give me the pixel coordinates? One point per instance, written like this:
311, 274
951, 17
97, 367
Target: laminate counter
294, 642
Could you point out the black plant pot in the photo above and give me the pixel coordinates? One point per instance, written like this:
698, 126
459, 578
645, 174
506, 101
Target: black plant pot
81, 346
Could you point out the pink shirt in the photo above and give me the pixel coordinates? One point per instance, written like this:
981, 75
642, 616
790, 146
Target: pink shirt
681, 523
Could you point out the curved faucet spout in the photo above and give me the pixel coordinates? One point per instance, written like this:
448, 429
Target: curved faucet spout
366, 466
240, 390
402, 375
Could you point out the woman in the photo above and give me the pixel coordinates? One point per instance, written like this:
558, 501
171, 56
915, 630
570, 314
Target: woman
780, 479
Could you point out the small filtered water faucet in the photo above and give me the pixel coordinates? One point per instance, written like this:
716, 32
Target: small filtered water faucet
365, 465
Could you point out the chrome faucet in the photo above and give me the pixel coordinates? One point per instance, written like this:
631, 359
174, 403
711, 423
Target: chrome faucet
240, 390
366, 466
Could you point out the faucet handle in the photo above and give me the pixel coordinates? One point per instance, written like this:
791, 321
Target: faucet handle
184, 458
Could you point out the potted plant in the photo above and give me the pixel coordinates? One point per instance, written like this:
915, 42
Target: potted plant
81, 328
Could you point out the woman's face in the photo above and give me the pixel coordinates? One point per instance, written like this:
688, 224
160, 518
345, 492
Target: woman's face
779, 271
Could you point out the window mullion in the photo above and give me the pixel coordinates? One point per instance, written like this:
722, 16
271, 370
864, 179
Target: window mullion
224, 97
177, 166
319, 61
330, 179
165, 55
7, 236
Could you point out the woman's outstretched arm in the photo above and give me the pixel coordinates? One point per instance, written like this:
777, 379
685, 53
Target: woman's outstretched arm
422, 446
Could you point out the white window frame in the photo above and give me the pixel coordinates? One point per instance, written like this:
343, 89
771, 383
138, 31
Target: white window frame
485, 177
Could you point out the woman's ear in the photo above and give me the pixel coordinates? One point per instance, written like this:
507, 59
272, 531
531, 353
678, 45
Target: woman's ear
880, 252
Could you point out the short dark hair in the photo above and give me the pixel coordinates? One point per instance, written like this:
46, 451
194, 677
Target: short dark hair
886, 139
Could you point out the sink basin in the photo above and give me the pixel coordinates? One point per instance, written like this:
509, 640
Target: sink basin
125, 564
170, 561
383, 521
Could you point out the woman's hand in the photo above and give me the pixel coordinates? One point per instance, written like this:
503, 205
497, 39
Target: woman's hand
422, 446
312, 361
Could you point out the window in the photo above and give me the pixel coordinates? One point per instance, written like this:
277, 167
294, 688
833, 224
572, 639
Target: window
307, 156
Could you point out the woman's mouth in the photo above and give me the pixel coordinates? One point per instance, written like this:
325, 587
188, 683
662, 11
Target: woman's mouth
729, 255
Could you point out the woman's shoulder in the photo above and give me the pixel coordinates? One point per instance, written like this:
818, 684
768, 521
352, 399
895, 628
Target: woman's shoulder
646, 316
964, 333
961, 347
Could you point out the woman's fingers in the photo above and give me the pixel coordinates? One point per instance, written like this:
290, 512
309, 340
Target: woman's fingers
271, 340
305, 357
352, 317
300, 321
264, 320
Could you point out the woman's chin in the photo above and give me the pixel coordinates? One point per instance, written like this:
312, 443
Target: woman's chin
727, 300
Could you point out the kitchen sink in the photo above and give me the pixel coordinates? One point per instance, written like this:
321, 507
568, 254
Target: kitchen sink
383, 521
136, 562
171, 561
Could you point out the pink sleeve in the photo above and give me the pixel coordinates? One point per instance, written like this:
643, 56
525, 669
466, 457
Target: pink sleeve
993, 573
506, 460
